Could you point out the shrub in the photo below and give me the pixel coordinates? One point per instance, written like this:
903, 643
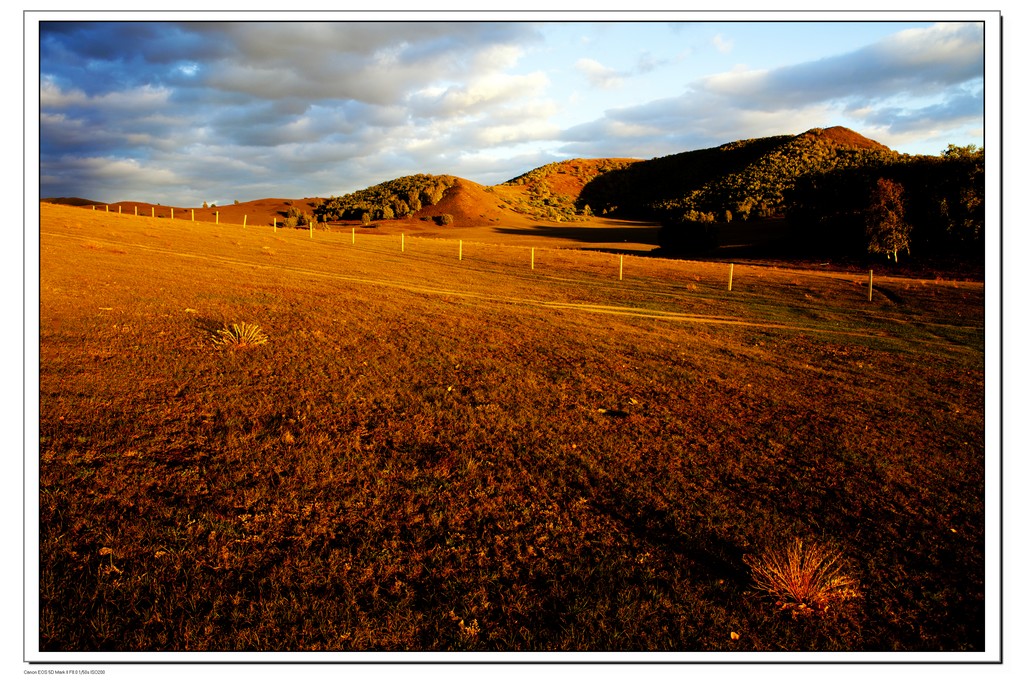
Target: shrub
239, 335
802, 576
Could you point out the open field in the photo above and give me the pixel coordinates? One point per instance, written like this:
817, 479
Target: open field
435, 454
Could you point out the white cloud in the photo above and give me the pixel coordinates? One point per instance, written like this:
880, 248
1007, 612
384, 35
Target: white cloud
722, 44
52, 96
484, 93
598, 75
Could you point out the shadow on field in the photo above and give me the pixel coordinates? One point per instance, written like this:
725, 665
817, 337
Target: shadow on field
710, 557
643, 233
706, 555
208, 325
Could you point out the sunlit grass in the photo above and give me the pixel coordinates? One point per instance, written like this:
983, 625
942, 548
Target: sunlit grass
442, 455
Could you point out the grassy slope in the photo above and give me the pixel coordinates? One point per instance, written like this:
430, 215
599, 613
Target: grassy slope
432, 454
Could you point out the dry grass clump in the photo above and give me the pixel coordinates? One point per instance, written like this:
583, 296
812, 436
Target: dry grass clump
804, 577
240, 335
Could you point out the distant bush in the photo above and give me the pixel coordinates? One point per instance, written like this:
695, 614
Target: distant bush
444, 219
295, 218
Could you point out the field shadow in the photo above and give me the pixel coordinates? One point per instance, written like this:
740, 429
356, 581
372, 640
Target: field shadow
208, 325
642, 233
705, 554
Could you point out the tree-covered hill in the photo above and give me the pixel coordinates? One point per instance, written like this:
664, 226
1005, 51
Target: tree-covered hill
396, 198
739, 180
552, 191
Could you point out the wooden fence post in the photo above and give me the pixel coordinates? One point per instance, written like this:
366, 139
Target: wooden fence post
731, 266
871, 283
136, 210
193, 215
460, 250
531, 257
216, 216
245, 218
152, 212
172, 213
620, 266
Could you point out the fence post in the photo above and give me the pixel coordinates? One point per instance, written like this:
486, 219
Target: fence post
107, 207
172, 213
193, 215
244, 219
871, 283
620, 266
118, 209
136, 210
152, 212
311, 230
731, 266
531, 257
460, 250
353, 234
275, 223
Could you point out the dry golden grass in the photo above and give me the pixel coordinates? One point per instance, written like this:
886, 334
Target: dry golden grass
434, 454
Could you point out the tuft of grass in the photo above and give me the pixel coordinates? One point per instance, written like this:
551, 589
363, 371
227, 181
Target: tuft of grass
803, 577
240, 335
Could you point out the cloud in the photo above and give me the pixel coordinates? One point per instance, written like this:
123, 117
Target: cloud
913, 61
722, 44
494, 90
183, 112
605, 78
876, 85
598, 75
271, 97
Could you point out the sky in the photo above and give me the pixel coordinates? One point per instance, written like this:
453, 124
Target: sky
186, 112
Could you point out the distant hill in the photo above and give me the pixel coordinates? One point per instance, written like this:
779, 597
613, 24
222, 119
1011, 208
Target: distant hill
815, 186
747, 178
